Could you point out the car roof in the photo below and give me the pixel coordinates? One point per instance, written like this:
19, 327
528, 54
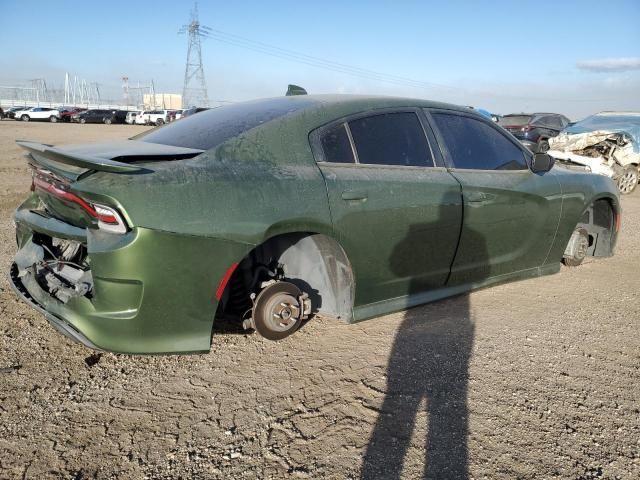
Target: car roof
368, 101
320, 109
339, 105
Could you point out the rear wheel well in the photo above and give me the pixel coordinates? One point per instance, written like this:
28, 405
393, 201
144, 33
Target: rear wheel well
315, 263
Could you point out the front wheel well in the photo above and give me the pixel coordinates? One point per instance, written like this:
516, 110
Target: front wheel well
600, 222
315, 263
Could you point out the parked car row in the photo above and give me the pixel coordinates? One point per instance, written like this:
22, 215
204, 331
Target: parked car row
160, 117
153, 117
107, 116
83, 115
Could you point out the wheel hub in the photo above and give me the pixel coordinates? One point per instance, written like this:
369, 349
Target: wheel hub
282, 312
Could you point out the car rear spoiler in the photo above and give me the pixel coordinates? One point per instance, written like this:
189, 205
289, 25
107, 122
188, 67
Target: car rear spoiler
49, 152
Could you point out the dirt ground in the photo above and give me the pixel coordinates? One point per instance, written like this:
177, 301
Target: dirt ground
534, 379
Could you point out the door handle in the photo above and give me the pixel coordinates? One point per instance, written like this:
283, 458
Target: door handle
478, 198
354, 195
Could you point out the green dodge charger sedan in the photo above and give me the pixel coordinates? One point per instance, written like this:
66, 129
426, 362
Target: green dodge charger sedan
271, 211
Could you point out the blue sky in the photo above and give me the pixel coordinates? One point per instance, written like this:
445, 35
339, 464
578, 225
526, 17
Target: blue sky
575, 57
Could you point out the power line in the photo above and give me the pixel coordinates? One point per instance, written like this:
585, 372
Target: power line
291, 55
260, 47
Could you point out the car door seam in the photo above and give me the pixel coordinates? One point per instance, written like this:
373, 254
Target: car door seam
463, 212
555, 235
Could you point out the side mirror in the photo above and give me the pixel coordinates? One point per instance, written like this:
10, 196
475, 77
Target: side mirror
541, 162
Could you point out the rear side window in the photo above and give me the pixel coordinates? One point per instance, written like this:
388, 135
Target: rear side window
336, 145
540, 121
472, 144
555, 122
210, 128
548, 121
391, 139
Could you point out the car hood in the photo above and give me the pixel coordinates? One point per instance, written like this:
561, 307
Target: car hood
628, 125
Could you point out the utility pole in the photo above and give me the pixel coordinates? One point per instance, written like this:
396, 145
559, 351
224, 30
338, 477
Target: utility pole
153, 95
194, 92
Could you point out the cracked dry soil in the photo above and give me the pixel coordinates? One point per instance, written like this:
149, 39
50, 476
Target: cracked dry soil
534, 379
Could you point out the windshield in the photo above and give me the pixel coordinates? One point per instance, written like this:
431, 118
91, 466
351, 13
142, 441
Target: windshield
514, 120
210, 128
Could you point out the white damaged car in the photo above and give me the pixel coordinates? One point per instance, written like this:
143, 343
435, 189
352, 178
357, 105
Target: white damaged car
607, 143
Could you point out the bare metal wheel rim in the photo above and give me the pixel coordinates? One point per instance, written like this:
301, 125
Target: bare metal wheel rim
628, 181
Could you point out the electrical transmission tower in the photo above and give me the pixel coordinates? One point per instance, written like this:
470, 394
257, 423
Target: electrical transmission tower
194, 92
40, 86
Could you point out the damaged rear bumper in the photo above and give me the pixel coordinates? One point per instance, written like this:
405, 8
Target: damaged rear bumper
151, 291
58, 323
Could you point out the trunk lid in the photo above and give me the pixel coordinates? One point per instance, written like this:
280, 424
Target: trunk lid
57, 169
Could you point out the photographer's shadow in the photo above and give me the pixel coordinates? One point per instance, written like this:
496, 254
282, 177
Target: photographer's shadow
428, 364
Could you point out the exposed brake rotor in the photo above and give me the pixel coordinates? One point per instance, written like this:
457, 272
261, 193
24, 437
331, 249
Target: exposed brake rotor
278, 310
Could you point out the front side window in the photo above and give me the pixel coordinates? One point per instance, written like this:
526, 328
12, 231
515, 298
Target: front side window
391, 139
472, 144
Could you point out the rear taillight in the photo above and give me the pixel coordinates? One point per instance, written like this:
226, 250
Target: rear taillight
109, 219
523, 128
60, 193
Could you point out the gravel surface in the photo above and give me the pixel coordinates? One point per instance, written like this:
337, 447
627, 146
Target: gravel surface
534, 379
